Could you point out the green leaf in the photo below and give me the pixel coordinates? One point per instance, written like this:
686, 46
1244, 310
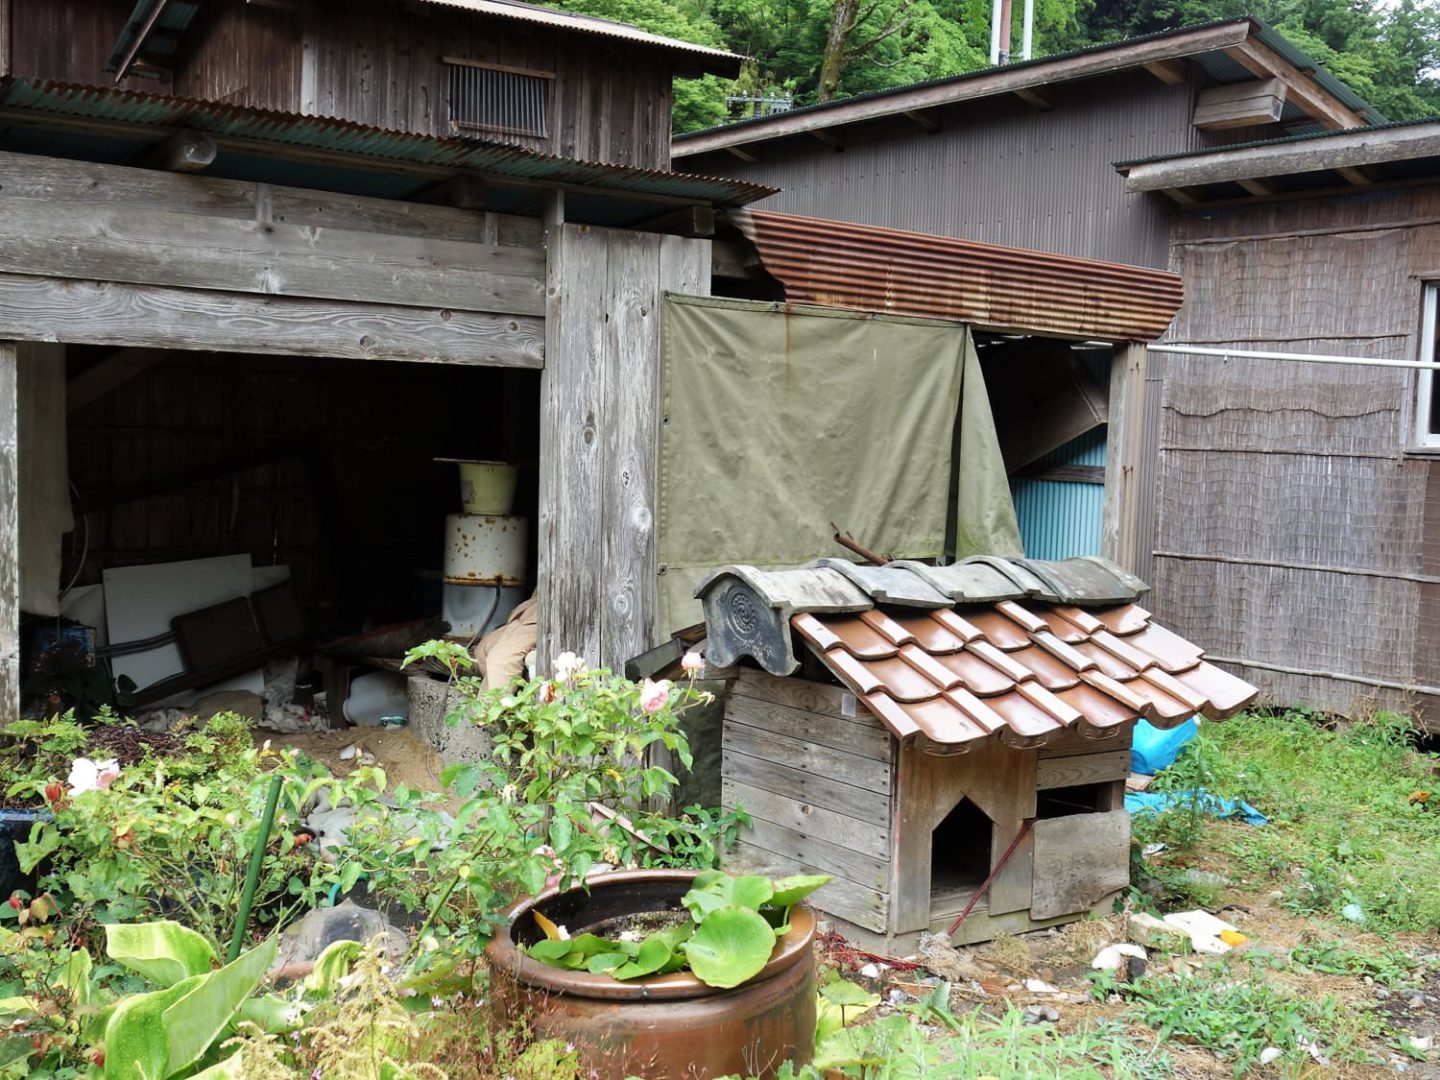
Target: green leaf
164, 952
550, 952
18, 1006
135, 1043
331, 966
843, 992
75, 975
194, 1020
605, 961
654, 954
791, 890
749, 891
232, 1068
272, 1013
44, 838
730, 946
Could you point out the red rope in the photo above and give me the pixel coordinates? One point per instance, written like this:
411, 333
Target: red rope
985, 885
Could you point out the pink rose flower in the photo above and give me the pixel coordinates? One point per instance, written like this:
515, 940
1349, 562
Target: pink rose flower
654, 695
692, 663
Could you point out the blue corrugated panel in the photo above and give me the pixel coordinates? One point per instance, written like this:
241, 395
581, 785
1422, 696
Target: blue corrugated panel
1059, 519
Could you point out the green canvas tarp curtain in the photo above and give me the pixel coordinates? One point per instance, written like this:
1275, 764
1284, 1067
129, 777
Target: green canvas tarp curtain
778, 420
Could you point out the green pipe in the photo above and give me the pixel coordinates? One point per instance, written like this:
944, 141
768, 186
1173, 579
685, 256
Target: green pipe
257, 860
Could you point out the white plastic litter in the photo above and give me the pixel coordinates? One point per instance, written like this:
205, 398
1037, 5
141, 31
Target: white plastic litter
1203, 929
1270, 1055
1040, 986
1112, 957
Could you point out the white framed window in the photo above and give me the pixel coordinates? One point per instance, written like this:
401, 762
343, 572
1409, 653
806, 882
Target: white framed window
488, 99
1427, 398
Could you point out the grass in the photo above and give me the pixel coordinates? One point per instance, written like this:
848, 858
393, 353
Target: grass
1343, 827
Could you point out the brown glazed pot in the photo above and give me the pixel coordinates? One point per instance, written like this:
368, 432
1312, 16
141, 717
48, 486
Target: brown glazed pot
666, 1027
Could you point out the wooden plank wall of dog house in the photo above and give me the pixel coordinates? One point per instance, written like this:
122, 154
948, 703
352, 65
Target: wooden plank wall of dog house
814, 773
599, 436
1261, 462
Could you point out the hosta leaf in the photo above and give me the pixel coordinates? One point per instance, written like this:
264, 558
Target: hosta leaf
730, 946
232, 1068
135, 1044
331, 966
194, 1020
791, 890
164, 952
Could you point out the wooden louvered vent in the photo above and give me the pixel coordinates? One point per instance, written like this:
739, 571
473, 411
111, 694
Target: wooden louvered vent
488, 101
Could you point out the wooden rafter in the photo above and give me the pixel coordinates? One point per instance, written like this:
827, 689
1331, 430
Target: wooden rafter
1264, 62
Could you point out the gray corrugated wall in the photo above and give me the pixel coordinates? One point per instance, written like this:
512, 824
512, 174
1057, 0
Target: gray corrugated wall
999, 170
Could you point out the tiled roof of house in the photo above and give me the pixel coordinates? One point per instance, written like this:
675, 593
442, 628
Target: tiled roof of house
1016, 650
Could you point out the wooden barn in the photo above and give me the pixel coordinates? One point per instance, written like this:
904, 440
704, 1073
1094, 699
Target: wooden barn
946, 741
262, 264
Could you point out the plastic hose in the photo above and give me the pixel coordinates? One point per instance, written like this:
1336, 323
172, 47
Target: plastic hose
257, 860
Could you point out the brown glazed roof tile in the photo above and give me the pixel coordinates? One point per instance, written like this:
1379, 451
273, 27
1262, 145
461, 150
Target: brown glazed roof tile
1020, 671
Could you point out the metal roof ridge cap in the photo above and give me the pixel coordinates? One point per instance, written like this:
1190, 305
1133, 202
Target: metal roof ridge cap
681, 145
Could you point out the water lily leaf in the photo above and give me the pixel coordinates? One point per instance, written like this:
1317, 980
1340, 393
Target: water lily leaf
163, 951
550, 952
588, 945
605, 961
730, 946
748, 891
791, 890
551, 930
844, 992
654, 953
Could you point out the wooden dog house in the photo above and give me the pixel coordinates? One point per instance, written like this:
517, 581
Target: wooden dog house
941, 727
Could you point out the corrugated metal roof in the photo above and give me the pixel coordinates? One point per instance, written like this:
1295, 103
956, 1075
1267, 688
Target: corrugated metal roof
237, 127
1279, 140
1218, 66
868, 268
947, 661
721, 61
173, 21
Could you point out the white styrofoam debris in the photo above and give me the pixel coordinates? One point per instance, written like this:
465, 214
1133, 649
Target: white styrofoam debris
1112, 957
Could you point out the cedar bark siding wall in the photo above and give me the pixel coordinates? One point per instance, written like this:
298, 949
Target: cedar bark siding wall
1292, 526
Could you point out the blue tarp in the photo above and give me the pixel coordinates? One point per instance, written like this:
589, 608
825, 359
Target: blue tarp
1155, 801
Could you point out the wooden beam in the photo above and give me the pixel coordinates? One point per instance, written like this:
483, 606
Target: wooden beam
158, 247
1036, 100
9, 534
119, 367
1003, 80
1247, 104
1169, 72
1181, 196
1255, 187
833, 141
743, 155
1304, 155
184, 151
147, 316
1357, 175
695, 221
1124, 450
1259, 59
923, 120
1065, 474
464, 191
128, 60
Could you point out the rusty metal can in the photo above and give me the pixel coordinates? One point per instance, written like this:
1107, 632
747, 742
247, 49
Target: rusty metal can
666, 1027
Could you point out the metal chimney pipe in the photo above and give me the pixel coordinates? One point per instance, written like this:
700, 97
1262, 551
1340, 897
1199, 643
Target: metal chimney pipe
1007, 16
995, 31
1025, 40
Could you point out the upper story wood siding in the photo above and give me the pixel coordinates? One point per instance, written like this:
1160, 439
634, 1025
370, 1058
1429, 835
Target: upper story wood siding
373, 62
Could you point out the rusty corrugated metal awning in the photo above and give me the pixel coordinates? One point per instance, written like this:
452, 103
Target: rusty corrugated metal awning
867, 268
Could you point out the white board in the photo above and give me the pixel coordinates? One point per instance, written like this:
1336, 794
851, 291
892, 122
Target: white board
140, 601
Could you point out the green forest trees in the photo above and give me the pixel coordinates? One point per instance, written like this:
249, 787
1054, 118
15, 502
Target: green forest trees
1388, 50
